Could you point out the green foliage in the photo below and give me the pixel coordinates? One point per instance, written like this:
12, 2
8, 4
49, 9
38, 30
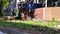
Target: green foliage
53, 19
14, 12
3, 13
4, 2
47, 27
31, 25
27, 24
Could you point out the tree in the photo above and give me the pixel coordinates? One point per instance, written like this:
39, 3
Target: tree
3, 3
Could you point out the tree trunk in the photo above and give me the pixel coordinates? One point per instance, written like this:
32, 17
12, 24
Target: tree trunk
0, 12
1, 6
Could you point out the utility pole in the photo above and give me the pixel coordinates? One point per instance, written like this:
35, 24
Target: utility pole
45, 3
44, 9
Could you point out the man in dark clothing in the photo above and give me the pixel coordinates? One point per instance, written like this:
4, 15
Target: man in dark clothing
30, 9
